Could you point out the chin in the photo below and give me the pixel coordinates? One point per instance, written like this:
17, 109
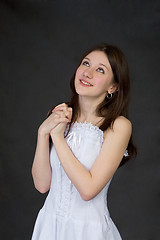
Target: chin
80, 91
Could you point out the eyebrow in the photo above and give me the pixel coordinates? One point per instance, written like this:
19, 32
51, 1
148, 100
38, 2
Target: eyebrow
99, 63
104, 65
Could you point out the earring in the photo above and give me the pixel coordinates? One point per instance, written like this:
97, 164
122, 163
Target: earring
109, 95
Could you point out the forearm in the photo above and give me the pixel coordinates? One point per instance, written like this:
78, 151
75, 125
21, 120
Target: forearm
41, 169
77, 173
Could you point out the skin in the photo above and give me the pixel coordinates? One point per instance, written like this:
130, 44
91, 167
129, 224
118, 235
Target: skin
95, 69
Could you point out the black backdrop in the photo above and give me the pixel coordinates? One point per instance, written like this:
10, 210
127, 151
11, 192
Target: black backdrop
40, 45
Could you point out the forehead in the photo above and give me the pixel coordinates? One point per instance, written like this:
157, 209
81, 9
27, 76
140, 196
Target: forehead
98, 57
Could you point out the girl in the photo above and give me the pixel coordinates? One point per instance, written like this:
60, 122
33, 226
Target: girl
80, 146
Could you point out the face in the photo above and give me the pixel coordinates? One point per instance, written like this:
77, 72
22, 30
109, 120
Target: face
94, 76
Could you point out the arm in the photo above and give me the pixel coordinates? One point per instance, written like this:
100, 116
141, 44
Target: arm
90, 183
41, 169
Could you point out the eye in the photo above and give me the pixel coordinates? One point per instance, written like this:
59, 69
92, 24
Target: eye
100, 70
85, 63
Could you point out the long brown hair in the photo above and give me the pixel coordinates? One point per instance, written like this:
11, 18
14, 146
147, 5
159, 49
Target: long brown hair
116, 106
111, 108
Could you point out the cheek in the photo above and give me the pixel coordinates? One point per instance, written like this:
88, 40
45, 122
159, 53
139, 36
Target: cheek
78, 72
101, 82
77, 76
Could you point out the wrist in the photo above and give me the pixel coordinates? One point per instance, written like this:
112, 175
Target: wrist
57, 137
42, 133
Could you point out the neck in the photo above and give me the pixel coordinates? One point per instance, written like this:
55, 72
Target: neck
88, 108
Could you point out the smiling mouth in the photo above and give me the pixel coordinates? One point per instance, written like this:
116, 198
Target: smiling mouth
85, 83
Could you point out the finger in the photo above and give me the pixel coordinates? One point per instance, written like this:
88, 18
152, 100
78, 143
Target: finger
69, 113
63, 108
70, 110
62, 105
66, 113
59, 109
59, 113
61, 120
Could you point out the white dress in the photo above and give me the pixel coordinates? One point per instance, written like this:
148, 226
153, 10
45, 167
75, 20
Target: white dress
65, 215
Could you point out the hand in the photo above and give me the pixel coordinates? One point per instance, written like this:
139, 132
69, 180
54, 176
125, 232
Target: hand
53, 120
63, 112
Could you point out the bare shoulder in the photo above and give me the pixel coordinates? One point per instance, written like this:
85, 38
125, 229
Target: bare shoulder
122, 123
120, 126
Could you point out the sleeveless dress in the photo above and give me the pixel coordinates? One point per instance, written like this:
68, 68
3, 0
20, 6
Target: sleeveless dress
65, 215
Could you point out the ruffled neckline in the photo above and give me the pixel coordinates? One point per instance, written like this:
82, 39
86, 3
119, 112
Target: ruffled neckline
87, 125
90, 126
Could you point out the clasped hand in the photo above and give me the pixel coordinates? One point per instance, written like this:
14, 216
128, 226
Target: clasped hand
55, 124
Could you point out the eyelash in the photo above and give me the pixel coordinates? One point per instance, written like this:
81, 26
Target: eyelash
85, 63
101, 70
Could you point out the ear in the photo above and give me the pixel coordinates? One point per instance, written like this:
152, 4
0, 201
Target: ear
113, 88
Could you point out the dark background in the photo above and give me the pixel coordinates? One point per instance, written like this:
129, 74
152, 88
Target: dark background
40, 45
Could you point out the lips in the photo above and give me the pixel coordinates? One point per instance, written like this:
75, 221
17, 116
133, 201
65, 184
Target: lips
85, 83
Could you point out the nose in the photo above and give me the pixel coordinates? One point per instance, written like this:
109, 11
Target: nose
88, 73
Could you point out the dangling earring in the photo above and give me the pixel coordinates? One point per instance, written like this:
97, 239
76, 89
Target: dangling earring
109, 95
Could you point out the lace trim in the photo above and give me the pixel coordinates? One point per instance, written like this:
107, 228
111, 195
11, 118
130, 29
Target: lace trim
87, 125
126, 154
64, 193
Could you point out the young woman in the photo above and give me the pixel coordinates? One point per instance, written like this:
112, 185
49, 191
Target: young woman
80, 146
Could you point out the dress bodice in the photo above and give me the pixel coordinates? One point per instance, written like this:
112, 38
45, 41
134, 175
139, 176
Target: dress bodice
65, 215
85, 141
